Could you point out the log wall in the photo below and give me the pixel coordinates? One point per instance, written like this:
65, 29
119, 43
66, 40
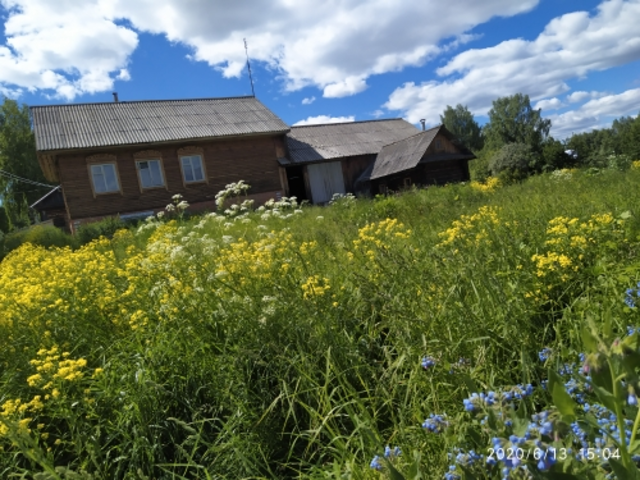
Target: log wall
252, 159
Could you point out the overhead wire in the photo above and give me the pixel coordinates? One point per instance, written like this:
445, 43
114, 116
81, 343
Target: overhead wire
13, 176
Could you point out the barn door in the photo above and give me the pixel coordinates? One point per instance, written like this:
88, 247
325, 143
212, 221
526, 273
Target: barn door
325, 179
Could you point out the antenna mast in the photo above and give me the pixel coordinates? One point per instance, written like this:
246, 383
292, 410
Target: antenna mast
246, 50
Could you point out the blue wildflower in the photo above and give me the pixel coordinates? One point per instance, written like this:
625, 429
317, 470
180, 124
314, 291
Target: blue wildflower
391, 453
544, 354
375, 463
629, 297
451, 475
428, 362
435, 423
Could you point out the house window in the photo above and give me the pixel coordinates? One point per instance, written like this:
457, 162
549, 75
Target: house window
438, 144
192, 170
150, 172
407, 182
104, 178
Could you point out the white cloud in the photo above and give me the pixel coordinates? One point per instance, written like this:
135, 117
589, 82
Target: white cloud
308, 100
596, 113
344, 88
63, 47
377, 113
549, 104
324, 119
580, 96
72, 47
570, 46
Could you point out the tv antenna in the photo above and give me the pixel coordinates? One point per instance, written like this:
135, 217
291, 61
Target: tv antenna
246, 51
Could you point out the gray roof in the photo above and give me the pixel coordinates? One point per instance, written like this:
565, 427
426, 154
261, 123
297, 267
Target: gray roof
313, 143
407, 153
74, 126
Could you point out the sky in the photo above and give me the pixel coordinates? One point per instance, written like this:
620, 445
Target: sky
331, 61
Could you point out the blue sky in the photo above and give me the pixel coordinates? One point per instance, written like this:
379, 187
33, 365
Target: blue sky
318, 62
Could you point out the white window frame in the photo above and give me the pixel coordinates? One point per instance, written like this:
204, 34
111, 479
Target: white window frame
163, 183
184, 169
101, 166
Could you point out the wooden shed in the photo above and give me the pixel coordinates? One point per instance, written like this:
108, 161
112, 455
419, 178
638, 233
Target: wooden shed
327, 159
431, 157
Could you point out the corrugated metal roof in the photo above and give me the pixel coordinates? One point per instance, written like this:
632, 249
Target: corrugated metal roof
405, 154
312, 143
73, 126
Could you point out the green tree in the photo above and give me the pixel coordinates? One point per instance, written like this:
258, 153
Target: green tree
554, 155
514, 162
597, 148
513, 120
460, 122
4, 220
627, 135
18, 158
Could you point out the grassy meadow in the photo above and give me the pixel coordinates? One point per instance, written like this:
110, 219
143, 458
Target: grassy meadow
289, 343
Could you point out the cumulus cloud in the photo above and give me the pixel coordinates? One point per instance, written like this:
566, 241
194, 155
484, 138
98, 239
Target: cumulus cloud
570, 46
320, 119
65, 48
549, 104
72, 48
308, 100
596, 113
580, 96
334, 46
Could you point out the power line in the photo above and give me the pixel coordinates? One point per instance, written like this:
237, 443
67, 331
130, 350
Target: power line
13, 176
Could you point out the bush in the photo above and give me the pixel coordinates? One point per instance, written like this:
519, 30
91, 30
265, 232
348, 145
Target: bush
620, 162
479, 169
103, 228
44, 236
513, 162
555, 156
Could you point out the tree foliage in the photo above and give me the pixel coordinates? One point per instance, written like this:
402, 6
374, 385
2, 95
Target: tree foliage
18, 157
513, 120
599, 147
514, 162
460, 122
555, 156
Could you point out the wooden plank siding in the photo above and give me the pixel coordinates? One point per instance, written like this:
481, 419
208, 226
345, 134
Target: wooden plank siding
253, 160
431, 173
441, 144
353, 167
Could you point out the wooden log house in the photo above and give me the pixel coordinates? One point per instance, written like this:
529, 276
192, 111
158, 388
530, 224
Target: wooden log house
130, 158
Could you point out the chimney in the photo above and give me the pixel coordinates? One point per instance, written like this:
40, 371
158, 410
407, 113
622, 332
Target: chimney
115, 99
422, 121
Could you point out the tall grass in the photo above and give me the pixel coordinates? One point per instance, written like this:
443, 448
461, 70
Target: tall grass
289, 345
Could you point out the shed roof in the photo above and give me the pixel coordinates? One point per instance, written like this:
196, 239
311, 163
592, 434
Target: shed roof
407, 153
76, 126
313, 143
52, 200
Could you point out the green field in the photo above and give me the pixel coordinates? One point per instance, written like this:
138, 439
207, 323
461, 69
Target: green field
287, 343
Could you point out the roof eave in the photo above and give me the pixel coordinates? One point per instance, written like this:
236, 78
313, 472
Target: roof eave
167, 142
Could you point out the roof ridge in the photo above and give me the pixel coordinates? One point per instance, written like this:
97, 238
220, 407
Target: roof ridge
348, 123
144, 101
415, 135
